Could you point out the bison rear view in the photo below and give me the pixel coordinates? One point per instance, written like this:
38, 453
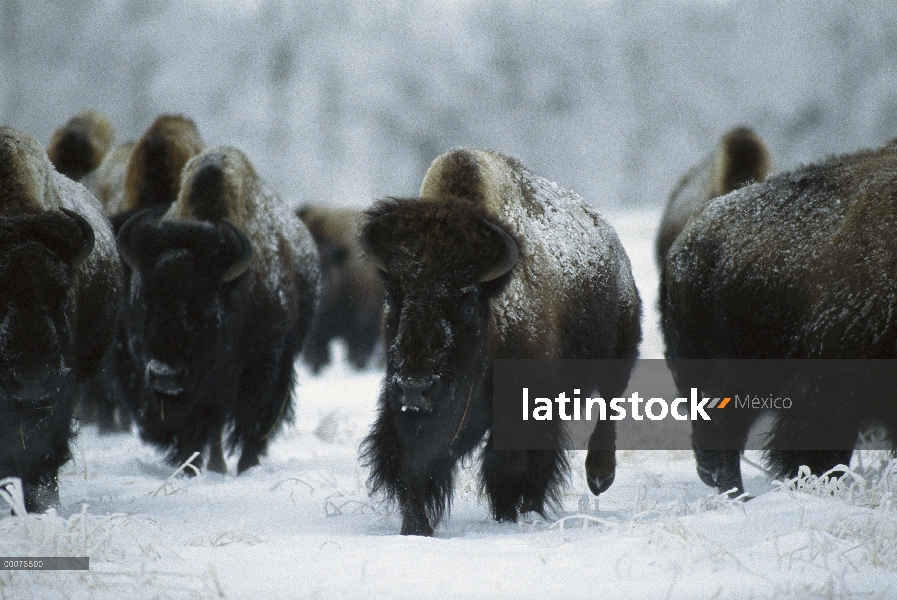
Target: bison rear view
800, 266
221, 294
490, 262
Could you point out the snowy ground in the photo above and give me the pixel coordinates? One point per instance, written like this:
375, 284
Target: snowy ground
302, 525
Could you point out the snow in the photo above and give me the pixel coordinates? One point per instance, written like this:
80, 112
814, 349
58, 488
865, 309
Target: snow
301, 525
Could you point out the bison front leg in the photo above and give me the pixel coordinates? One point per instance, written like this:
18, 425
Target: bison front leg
215, 462
42, 492
414, 515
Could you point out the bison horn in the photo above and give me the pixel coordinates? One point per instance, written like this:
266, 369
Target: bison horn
89, 237
368, 247
508, 259
242, 263
122, 239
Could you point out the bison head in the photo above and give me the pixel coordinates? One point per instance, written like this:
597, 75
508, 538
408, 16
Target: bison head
442, 261
183, 281
40, 254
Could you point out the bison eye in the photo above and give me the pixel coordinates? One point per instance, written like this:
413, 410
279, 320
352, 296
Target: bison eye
467, 310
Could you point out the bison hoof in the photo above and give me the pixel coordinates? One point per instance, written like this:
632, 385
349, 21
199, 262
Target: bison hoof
600, 484
246, 463
41, 496
416, 527
708, 476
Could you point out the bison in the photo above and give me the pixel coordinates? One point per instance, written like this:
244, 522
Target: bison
739, 158
222, 290
490, 262
799, 266
78, 147
351, 297
60, 282
151, 174
136, 176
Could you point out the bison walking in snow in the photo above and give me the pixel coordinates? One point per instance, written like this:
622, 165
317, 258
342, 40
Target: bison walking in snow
491, 262
799, 266
222, 291
351, 299
60, 281
739, 158
133, 177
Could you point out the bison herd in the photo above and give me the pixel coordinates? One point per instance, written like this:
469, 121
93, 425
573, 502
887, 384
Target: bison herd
163, 284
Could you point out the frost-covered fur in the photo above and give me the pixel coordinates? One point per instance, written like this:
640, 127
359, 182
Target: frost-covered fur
107, 182
799, 266
57, 309
152, 175
739, 158
569, 295
215, 345
351, 300
78, 147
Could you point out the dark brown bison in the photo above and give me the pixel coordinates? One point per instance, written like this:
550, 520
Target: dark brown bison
491, 262
799, 266
60, 281
739, 158
351, 299
78, 147
222, 292
134, 177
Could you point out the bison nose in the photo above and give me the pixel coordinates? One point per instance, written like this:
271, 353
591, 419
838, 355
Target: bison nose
414, 392
164, 378
31, 383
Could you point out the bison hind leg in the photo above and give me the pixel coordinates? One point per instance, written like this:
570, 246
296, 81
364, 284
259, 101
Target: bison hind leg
819, 435
784, 464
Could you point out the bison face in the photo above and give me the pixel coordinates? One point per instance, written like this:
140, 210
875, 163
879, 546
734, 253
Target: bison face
184, 279
442, 264
436, 343
40, 254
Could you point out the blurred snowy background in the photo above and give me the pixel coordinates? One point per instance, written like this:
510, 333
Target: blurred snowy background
345, 101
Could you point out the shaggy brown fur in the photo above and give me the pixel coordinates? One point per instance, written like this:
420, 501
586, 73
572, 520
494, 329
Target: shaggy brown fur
800, 266
740, 158
228, 279
78, 147
570, 294
153, 173
61, 281
107, 182
351, 299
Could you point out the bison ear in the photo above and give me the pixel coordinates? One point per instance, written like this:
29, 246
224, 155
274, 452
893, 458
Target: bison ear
243, 261
88, 235
124, 239
508, 257
373, 240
